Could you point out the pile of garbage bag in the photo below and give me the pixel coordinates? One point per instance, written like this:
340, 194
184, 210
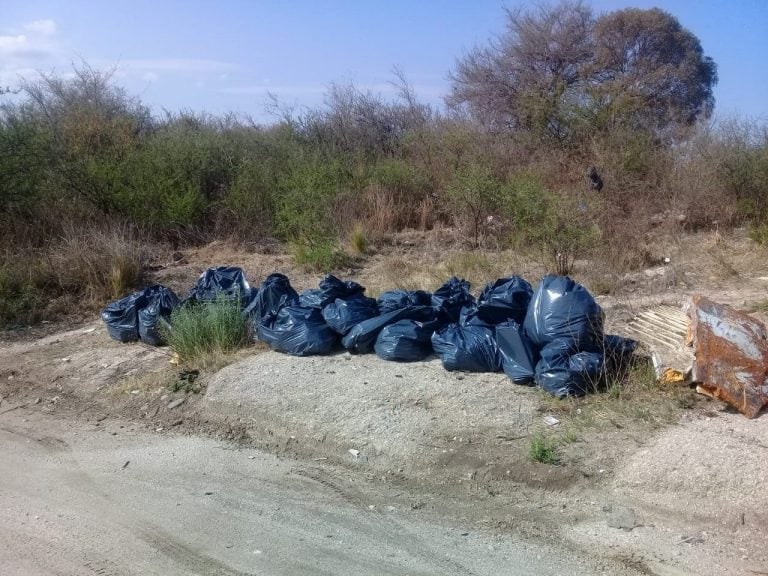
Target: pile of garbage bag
551, 336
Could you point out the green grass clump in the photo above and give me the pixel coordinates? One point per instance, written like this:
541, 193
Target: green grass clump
320, 257
207, 329
543, 449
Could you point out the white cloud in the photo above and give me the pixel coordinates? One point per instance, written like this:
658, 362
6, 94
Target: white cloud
32, 46
45, 27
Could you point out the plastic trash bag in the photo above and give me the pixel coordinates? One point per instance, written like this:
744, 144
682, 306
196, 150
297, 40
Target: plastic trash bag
517, 353
405, 341
361, 339
122, 317
562, 309
222, 281
399, 299
330, 289
161, 302
564, 375
618, 350
451, 298
274, 294
467, 348
344, 313
505, 299
298, 331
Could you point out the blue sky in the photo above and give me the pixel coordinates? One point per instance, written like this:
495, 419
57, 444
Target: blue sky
226, 55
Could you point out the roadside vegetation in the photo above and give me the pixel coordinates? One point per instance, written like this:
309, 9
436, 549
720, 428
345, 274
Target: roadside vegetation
205, 332
91, 179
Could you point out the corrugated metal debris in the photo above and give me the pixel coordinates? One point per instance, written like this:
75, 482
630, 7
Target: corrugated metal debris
663, 331
731, 355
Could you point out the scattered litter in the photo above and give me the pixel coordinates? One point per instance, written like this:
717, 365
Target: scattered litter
354, 452
551, 421
88, 330
176, 403
126, 464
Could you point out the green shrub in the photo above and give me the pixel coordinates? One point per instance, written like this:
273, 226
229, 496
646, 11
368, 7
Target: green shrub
562, 226
543, 449
206, 329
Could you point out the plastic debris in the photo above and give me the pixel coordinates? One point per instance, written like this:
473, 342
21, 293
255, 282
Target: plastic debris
161, 302
505, 299
518, 356
122, 317
362, 338
221, 281
399, 299
405, 341
299, 331
451, 298
330, 289
467, 348
344, 314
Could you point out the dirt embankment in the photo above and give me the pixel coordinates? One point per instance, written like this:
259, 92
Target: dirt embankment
636, 493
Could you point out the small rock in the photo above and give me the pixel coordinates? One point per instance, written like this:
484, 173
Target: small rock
135, 392
623, 518
38, 400
209, 493
175, 403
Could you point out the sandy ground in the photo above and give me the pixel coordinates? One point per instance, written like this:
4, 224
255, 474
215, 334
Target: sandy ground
109, 501
363, 466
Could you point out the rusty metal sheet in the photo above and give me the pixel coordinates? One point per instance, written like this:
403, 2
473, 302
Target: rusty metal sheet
731, 355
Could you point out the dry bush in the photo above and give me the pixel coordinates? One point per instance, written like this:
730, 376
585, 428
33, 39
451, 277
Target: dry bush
380, 212
98, 264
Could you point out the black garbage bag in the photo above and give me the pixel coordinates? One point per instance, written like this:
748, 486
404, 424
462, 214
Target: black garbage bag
330, 289
161, 302
312, 298
467, 348
618, 350
562, 309
274, 294
399, 299
517, 353
298, 331
345, 313
222, 281
470, 317
504, 299
122, 317
451, 298
361, 339
562, 372
405, 341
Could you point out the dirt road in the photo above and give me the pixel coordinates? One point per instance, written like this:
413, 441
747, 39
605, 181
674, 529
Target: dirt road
79, 499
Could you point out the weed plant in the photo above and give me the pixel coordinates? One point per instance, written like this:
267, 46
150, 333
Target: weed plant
200, 331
